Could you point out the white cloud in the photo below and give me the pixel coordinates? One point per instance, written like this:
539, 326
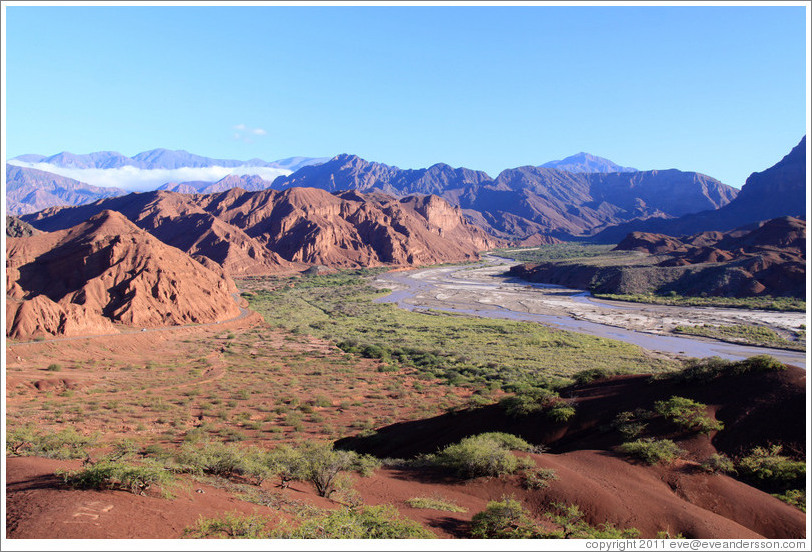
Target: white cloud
245, 133
138, 180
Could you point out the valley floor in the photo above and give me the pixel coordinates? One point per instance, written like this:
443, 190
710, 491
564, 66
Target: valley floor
486, 291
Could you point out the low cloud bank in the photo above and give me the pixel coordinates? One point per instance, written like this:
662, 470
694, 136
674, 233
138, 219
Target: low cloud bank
140, 180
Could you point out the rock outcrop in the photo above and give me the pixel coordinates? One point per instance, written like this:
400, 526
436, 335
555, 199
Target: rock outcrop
106, 272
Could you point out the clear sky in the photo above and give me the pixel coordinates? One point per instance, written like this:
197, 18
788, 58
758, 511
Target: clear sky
719, 90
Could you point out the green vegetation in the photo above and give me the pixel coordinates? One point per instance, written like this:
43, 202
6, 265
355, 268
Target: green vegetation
688, 414
428, 503
505, 519
54, 368
795, 497
64, 444
539, 478
652, 451
757, 303
508, 519
110, 475
484, 455
768, 468
458, 349
631, 424
708, 369
749, 335
718, 463
556, 252
231, 526
538, 399
592, 374
366, 522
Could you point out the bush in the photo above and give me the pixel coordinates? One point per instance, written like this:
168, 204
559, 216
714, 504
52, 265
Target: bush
592, 374
110, 475
767, 467
629, 424
54, 368
652, 451
718, 463
504, 519
688, 414
539, 478
427, 503
232, 525
795, 497
573, 526
367, 522
211, 458
537, 399
63, 445
479, 456
709, 369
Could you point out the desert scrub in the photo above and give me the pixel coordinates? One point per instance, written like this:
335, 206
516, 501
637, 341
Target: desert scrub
231, 526
538, 478
63, 445
431, 503
112, 475
630, 424
652, 451
555, 252
570, 518
718, 463
795, 497
505, 519
484, 455
538, 399
709, 369
767, 468
366, 522
452, 348
749, 335
688, 414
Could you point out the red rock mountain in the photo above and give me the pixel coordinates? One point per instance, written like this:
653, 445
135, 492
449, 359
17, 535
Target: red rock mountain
106, 271
271, 231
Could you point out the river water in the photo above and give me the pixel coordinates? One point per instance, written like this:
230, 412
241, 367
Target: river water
486, 291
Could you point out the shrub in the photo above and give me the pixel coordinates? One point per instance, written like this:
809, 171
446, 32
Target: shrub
573, 526
592, 374
537, 399
538, 478
767, 467
652, 451
367, 522
718, 463
504, 519
211, 458
629, 424
427, 503
63, 445
708, 369
135, 478
232, 525
795, 497
482, 455
688, 414
54, 368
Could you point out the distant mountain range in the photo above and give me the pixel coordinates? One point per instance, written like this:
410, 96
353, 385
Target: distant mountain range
525, 201
586, 163
528, 205
31, 190
157, 159
774, 192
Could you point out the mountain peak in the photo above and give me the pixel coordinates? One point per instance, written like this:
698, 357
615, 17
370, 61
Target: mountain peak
583, 162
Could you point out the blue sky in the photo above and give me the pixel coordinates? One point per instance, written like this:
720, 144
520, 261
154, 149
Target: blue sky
719, 90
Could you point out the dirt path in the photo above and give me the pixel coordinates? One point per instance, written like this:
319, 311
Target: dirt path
486, 291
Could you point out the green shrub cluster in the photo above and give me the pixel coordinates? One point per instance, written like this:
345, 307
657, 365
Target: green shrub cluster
708, 369
688, 414
652, 451
768, 468
431, 503
509, 519
538, 478
317, 463
64, 444
484, 455
111, 475
794, 497
231, 526
538, 399
718, 463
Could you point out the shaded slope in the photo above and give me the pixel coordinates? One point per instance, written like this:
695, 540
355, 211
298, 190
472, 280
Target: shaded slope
775, 192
